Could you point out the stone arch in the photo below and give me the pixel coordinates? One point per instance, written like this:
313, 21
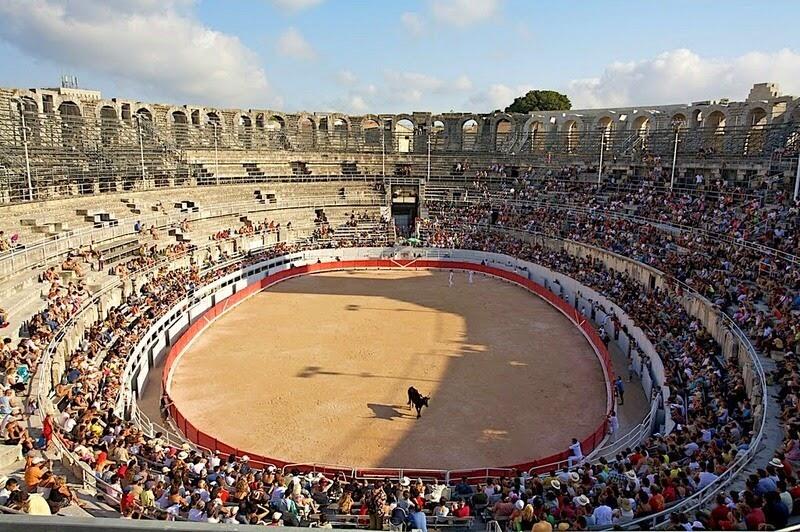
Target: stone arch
214, 117
438, 134
180, 126
697, 118
244, 129
470, 128
144, 122
756, 122
195, 118
605, 126
306, 131
339, 130
30, 110
404, 130
71, 123
371, 131
535, 131
275, 131
641, 126
109, 124
679, 120
571, 130
275, 122
503, 132
714, 125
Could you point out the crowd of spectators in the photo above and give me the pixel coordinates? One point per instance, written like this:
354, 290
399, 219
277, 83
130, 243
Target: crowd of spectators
148, 477
727, 265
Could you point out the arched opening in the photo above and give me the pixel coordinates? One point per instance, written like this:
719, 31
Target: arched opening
305, 132
437, 135
606, 128
108, 125
71, 123
213, 129
793, 138
372, 133
180, 128
195, 117
31, 112
275, 133
245, 131
715, 131
756, 122
503, 135
641, 129
678, 120
260, 122
537, 137
697, 117
571, 135
404, 134
341, 133
469, 135
144, 123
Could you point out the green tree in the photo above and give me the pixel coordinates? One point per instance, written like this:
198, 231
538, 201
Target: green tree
540, 101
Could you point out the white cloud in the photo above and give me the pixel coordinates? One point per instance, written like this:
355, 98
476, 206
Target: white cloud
399, 91
155, 47
682, 76
462, 83
346, 77
295, 5
496, 96
412, 23
292, 44
462, 13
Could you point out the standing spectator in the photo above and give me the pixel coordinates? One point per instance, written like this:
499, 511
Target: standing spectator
620, 388
376, 506
575, 453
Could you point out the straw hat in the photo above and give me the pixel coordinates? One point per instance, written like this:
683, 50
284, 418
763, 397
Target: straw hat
556, 485
574, 477
405, 481
583, 500
776, 462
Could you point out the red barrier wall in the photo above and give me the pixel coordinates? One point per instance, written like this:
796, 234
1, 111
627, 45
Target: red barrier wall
540, 465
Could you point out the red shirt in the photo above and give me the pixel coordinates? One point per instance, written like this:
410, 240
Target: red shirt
718, 514
462, 512
755, 518
657, 502
126, 501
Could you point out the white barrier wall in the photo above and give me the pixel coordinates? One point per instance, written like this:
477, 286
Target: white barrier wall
168, 328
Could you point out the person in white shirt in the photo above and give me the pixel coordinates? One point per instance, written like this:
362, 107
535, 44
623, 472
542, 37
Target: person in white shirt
576, 454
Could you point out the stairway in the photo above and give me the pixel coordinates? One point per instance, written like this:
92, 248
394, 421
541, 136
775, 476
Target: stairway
254, 173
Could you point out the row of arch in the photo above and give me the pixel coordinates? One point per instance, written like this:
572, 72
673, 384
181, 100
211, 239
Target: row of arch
499, 132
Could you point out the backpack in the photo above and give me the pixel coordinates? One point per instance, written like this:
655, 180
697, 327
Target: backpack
398, 517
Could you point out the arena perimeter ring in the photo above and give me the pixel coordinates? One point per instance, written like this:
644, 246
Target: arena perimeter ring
315, 370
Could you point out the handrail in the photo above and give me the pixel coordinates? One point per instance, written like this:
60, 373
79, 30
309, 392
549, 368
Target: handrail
694, 501
794, 259
88, 235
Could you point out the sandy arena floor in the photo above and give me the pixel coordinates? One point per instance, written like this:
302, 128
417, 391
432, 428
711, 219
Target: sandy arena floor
316, 369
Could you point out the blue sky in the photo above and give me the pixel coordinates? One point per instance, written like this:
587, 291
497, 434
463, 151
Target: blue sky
363, 56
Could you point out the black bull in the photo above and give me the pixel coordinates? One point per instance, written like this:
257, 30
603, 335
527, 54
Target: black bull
417, 399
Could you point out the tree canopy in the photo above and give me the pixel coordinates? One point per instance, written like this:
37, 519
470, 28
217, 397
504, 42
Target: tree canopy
540, 101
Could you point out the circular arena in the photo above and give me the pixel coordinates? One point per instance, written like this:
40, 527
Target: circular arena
351, 342
214, 316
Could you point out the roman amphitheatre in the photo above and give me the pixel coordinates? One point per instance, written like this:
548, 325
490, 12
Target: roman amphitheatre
224, 308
